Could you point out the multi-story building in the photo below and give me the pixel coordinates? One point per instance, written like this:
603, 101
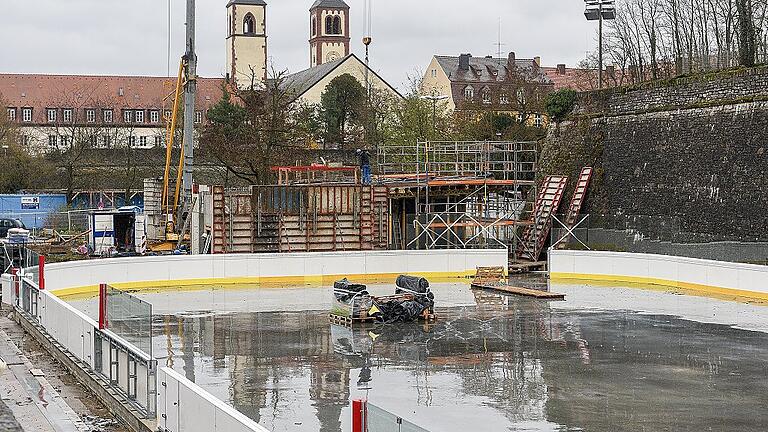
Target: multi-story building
56, 111
513, 85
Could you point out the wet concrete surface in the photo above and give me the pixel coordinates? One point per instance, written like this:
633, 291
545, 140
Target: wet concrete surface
606, 359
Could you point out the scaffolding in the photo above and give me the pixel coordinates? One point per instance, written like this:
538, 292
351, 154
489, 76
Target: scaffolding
467, 194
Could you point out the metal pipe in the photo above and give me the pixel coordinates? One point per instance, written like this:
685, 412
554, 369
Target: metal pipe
190, 89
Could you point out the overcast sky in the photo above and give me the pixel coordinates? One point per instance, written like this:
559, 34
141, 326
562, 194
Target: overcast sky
129, 37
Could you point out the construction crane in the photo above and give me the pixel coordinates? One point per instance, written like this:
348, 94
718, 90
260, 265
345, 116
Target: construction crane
367, 38
186, 87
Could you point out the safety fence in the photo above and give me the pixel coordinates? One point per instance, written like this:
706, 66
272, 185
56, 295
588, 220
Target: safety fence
367, 417
66, 221
21, 257
649, 234
184, 407
127, 369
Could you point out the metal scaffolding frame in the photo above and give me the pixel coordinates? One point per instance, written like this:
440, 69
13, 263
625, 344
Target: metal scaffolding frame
494, 179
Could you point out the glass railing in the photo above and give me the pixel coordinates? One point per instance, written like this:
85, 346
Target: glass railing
381, 420
130, 318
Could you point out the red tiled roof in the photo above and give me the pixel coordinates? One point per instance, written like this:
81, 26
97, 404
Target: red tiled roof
581, 79
90, 91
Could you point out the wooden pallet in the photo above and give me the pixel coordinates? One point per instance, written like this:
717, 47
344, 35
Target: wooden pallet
527, 292
489, 275
348, 321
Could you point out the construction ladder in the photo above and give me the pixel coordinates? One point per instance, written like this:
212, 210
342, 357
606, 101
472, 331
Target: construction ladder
577, 200
218, 232
547, 203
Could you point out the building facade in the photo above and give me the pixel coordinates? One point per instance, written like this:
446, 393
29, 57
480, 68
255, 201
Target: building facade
513, 85
328, 31
54, 112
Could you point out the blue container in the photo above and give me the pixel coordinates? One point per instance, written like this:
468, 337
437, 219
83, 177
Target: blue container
32, 209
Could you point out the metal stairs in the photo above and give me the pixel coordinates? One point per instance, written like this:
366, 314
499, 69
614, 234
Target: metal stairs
547, 203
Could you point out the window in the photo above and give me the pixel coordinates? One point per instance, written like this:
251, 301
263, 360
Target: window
154, 116
93, 140
26, 115
167, 115
11, 114
314, 27
158, 140
198, 116
504, 99
107, 116
106, 140
90, 115
469, 93
51, 115
521, 96
486, 94
67, 115
337, 25
127, 116
329, 25
519, 117
538, 120
434, 73
53, 140
142, 141
249, 24
25, 140
139, 116
131, 141
65, 140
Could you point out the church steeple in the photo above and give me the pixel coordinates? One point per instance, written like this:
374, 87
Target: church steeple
328, 31
247, 41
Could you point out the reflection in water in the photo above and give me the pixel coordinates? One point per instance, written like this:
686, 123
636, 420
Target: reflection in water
502, 364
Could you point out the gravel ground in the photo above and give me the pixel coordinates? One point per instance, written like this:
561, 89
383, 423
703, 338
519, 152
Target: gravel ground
7, 422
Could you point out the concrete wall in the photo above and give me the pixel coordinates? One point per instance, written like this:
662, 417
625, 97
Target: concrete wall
692, 148
81, 277
711, 277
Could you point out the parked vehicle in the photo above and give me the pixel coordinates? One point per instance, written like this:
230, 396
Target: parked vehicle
7, 223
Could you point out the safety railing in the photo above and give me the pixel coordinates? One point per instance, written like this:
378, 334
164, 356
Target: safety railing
130, 318
649, 234
126, 368
367, 417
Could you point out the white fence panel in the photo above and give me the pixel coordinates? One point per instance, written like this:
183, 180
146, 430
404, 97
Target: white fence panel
184, 407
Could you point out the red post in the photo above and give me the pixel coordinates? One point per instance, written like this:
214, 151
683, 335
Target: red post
102, 306
14, 273
359, 415
41, 271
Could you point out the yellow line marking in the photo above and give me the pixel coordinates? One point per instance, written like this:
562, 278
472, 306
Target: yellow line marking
663, 285
88, 291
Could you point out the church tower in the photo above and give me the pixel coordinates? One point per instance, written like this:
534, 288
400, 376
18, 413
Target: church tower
328, 31
247, 42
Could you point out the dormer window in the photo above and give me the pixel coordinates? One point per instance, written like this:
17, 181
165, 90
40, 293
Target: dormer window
469, 93
249, 25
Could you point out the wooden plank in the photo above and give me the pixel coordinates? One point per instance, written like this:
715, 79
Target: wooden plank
522, 291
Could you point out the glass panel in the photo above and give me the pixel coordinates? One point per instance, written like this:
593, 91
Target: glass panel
130, 318
380, 420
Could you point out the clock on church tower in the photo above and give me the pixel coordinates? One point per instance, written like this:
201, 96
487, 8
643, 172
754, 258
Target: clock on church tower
328, 32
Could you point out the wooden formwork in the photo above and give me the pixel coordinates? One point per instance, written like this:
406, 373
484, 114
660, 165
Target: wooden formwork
304, 218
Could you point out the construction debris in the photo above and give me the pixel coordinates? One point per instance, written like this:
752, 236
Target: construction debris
412, 300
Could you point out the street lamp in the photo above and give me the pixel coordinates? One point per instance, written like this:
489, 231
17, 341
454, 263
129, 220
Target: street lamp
434, 98
599, 10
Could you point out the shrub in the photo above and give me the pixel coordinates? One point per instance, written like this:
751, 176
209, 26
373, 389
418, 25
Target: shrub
560, 103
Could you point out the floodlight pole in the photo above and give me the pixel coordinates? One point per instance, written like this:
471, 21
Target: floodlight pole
600, 49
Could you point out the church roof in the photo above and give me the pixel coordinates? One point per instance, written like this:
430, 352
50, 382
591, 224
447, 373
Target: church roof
339, 4
301, 82
247, 2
